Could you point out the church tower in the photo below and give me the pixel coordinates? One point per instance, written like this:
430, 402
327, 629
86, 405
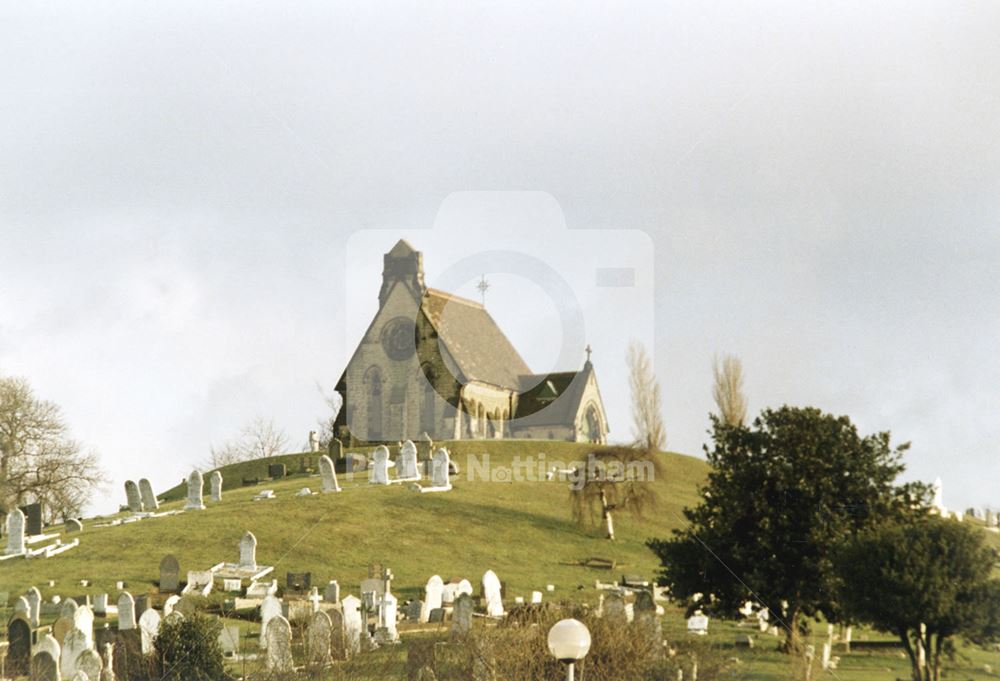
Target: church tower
402, 264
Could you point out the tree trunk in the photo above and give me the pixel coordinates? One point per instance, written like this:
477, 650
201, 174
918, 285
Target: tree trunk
606, 514
792, 644
904, 636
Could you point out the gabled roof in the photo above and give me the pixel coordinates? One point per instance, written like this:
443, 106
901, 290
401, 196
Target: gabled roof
478, 346
536, 407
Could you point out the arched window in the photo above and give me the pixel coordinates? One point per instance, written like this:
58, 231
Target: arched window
593, 425
373, 380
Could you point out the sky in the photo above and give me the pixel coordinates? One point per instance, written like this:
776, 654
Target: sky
194, 201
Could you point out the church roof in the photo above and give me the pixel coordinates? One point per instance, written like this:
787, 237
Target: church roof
538, 407
478, 346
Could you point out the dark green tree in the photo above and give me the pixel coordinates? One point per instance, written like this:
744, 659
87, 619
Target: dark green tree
782, 494
188, 649
925, 581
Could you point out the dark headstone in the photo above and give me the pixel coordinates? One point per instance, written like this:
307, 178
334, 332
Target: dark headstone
298, 581
18, 647
412, 610
44, 667
32, 519
436, 615
72, 525
276, 471
335, 448
170, 574
141, 605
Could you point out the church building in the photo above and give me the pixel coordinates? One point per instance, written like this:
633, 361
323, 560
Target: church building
435, 363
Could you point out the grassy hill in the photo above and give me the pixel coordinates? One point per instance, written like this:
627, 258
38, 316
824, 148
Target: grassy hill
522, 530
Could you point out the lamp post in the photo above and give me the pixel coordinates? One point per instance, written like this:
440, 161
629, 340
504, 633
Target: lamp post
569, 642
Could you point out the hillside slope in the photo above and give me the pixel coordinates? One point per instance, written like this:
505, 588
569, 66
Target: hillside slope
523, 530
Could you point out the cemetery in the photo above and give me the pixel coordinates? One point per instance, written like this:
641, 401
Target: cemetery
368, 580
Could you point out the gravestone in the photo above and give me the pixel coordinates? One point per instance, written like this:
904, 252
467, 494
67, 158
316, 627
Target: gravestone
18, 646
432, 597
332, 592
170, 604
72, 525
298, 581
170, 574
335, 448
149, 625
34, 597
89, 662
352, 462
83, 619
461, 623
318, 640
134, 500
195, 485
491, 591
49, 644
439, 470
216, 485
279, 645
386, 631
276, 471
411, 610
45, 667
74, 644
697, 624
338, 650
352, 625
426, 449
67, 608
406, 467
536, 597
248, 551
15, 532
329, 475
32, 519
313, 441
22, 607
126, 611
614, 607
380, 466
149, 501
270, 608
61, 627
229, 640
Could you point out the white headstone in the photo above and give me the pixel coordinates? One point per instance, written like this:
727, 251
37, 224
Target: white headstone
439, 469
313, 441
149, 501
126, 611
15, 532
195, 500
433, 593
380, 466
248, 551
74, 644
83, 619
149, 626
698, 624
270, 608
50, 645
279, 645
216, 484
329, 474
387, 618
351, 607
67, 608
406, 469
536, 596
491, 592
34, 597
170, 604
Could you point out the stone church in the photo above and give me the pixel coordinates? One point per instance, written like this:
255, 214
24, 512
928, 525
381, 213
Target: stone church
432, 362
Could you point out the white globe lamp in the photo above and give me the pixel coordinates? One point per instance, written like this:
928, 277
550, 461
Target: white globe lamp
569, 642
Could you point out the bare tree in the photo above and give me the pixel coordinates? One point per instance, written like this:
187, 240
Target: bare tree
728, 390
258, 439
326, 431
647, 416
614, 479
39, 461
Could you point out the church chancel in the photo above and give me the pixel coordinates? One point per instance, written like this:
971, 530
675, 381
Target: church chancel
435, 363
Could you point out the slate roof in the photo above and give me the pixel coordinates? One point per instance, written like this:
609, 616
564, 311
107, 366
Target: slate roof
478, 346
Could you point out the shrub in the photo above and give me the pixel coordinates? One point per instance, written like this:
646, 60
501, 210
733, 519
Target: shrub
188, 649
